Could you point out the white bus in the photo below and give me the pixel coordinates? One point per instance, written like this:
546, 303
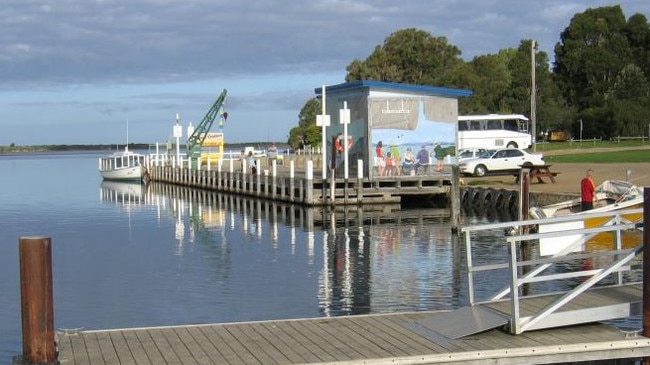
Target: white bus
492, 131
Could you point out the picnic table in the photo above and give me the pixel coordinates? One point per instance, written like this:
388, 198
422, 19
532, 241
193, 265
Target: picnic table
540, 172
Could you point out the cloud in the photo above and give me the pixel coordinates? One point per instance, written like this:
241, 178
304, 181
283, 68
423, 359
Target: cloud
158, 57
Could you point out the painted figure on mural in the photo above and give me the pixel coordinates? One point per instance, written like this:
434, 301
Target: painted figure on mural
380, 161
421, 159
409, 161
439, 154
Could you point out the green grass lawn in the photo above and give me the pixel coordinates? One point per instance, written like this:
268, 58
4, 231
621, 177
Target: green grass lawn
569, 145
602, 157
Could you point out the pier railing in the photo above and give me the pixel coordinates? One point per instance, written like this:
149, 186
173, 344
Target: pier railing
295, 182
600, 256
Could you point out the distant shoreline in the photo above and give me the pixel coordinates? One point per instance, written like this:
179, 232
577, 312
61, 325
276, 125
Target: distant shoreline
112, 147
59, 148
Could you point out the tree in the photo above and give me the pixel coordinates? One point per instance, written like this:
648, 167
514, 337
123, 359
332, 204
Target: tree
595, 55
306, 133
409, 55
502, 84
493, 78
637, 33
552, 111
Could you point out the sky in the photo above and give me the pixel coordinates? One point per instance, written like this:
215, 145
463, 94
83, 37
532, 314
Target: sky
112, 71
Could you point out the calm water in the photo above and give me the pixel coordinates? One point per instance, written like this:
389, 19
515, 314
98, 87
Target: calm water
126, 256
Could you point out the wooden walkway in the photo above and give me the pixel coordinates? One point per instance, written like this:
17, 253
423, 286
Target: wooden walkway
362, 339
303, 188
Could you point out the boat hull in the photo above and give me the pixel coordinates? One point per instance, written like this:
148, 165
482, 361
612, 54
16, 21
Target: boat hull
133, 173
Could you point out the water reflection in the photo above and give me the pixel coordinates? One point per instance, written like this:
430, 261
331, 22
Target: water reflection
332, 260
369, 260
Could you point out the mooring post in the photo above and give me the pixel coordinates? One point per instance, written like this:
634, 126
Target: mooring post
219, 187
524, 196
258, 171
455, 199
274, 179
37, 307
359, 182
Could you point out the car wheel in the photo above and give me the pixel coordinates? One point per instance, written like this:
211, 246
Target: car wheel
512, 145
480, 170
527, 165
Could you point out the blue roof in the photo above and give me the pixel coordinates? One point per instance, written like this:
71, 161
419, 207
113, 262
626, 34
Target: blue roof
437, 90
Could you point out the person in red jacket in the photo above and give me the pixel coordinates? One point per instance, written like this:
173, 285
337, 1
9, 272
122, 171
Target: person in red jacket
587, 190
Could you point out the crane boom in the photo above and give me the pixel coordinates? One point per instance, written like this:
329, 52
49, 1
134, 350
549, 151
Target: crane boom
195, 141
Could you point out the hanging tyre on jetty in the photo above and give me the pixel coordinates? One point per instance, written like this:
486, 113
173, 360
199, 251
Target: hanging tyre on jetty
466, 196
489, 198
506, 199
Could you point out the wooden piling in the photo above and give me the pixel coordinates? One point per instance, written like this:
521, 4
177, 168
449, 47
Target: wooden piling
455, 199
36, 300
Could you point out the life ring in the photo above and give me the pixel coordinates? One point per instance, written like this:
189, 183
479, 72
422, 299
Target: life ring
339, 146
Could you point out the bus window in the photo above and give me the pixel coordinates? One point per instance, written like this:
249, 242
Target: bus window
510, 125
494, 124
475, 125
462, 125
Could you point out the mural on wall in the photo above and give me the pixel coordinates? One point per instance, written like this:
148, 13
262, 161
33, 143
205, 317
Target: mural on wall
414, 126
356, 131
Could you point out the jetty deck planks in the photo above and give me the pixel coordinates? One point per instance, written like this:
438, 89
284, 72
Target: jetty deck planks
368, 339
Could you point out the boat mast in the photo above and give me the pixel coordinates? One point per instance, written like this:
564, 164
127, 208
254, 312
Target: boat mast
126, 148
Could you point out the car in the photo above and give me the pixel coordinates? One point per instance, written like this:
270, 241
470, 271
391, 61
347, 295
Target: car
471, 153
502, 161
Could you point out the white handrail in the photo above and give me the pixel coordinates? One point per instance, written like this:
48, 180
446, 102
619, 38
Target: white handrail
615, 222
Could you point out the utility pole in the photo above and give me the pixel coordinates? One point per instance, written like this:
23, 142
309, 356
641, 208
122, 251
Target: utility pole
533, 94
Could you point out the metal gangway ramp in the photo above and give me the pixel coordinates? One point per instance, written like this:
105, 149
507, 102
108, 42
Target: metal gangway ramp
555, 273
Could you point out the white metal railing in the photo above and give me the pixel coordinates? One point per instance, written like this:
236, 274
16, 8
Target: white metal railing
615, 260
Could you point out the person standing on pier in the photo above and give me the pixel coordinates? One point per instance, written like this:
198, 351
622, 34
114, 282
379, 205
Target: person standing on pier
587, 190
252, 164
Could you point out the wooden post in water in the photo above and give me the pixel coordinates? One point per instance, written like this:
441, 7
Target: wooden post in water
454, 196
36, 300
359, 182
524, 196
274, 179
219, 187
258, 180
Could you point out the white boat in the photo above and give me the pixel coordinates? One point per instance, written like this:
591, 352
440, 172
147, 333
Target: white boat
611, 195
123, 166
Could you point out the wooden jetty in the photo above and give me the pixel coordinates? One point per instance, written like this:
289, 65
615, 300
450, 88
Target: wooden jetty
293, 185
364, 339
